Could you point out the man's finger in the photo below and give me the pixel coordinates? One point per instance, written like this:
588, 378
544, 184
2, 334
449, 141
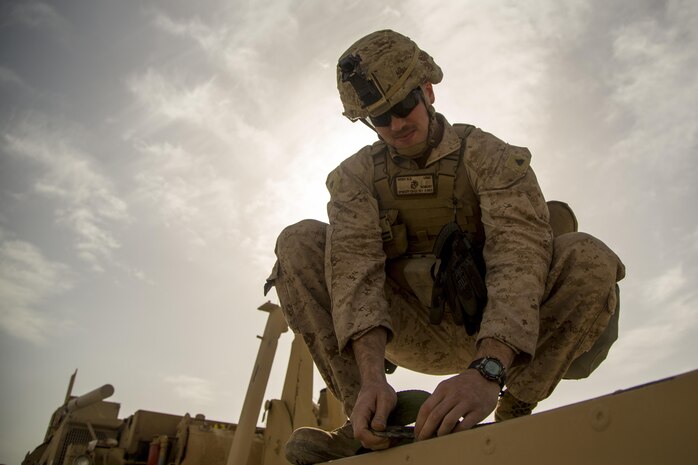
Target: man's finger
434, 420
424, 412
368, 439
468, 421
360, 418
450, 421
380, 417
378, 423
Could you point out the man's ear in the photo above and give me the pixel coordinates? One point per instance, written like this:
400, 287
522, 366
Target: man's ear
429, 92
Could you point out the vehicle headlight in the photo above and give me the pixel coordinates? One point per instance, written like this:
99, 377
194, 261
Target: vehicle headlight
82, 460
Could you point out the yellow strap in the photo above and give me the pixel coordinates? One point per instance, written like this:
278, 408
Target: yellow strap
395, 87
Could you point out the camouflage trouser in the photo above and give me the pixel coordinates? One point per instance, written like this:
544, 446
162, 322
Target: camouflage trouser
580, 297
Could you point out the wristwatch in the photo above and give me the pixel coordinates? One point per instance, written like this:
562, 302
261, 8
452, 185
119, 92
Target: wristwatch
492, 369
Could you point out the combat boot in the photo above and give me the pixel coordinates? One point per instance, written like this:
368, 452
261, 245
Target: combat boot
510, 407
313, 445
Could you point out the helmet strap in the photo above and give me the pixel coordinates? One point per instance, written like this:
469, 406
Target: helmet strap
436, 132
370, 126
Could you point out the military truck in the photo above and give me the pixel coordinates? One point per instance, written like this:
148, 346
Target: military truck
651, 424
86, 430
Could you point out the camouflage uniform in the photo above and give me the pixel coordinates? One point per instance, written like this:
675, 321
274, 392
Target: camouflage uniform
548, 298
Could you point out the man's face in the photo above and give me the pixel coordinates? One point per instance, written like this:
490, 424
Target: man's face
412, 129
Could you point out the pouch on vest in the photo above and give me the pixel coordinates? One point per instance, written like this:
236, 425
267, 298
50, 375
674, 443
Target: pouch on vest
394, 234
414, 274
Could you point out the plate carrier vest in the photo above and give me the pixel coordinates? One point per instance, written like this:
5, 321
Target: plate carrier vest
415, 204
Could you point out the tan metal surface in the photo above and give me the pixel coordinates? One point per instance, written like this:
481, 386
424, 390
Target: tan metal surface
242, 443
90, 398
331, 414
104, 413
653, 424
146, 424
206, 445
297, 393
650, 424
294, 409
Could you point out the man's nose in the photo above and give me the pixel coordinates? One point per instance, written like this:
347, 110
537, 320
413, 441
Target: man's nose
396, 123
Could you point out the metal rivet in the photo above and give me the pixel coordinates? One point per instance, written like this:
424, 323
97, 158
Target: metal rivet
600, 418
488, 446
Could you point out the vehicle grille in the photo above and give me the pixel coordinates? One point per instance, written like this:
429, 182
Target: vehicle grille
76, 436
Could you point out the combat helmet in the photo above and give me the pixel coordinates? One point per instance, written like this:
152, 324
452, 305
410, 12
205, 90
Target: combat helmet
380, 70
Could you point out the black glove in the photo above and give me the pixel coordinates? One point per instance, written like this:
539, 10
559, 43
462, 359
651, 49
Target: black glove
458, 282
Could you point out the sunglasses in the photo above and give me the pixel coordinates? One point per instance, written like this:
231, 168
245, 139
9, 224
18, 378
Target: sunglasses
400, 110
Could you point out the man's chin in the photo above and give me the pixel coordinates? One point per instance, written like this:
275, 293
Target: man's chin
405, 140
413, 150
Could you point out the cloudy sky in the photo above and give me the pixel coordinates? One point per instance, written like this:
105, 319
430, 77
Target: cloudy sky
150, 152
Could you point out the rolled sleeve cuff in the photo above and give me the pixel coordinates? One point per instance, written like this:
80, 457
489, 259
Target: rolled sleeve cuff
344, 338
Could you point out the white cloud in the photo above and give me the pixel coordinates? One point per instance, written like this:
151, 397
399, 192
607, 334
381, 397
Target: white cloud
209, 39
86, 202
27, 280
268, 144
692, 241
664, 287
9, 77
667, 305
238, 47
645, 348
191, 388
189, 194
206, 108
390, 11
170, 101
38, 15
493, 60
655, 83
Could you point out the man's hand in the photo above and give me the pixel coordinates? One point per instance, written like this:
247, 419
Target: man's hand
461, 402
468, 396
373, 405
376, 398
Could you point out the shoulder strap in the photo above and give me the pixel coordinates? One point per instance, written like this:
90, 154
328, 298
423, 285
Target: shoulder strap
379, 152
463, 131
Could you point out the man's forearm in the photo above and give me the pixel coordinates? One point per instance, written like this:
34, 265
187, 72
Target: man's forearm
369, 351
376, 398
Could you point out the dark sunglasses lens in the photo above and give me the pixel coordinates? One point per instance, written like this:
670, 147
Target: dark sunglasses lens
404, 108
401, 109
381, 120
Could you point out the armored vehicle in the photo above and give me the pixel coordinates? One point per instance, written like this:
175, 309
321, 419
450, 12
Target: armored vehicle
650, 424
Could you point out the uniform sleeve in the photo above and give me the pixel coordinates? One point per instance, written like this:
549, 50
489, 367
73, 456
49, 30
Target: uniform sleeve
518, 241
355, 264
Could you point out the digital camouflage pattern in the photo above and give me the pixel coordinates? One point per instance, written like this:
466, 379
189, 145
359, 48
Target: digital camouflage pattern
514, 217
394, 63
548, 299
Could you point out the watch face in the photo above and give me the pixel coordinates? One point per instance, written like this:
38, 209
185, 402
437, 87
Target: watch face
492, 368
